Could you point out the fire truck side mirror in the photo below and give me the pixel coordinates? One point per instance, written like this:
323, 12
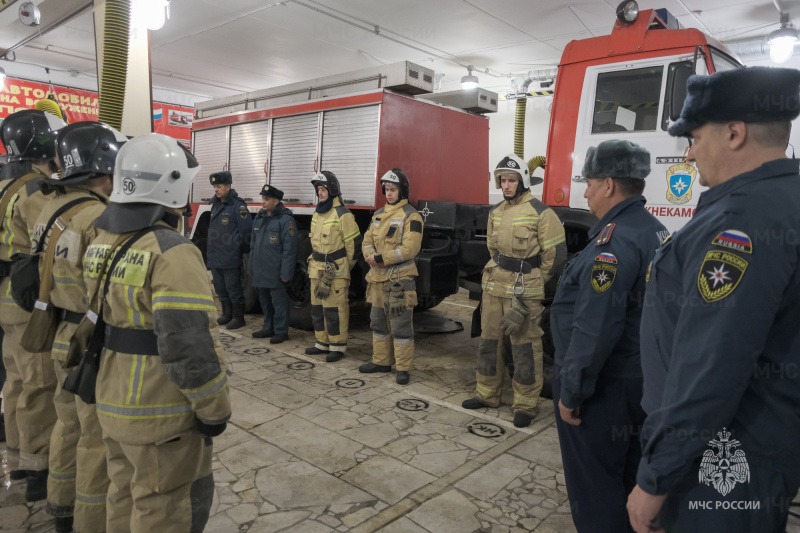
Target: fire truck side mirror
679, 75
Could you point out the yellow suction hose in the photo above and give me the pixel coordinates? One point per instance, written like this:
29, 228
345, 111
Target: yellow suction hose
116, 29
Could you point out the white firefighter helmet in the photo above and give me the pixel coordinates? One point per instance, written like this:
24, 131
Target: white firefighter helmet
154, 169
513, 164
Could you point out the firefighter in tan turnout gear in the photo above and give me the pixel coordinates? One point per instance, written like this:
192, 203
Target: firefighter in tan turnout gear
78, 482
526, 243
391, 243
29, 139
333, 237
162, 385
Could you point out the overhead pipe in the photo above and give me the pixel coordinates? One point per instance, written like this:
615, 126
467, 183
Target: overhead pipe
116, 42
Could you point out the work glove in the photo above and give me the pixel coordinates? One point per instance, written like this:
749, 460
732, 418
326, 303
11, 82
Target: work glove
394, 299
514, 317
211, 430
323, 289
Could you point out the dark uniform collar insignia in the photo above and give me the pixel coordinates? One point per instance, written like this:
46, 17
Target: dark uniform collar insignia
605, 235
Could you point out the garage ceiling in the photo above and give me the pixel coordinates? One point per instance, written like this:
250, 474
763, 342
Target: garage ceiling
209, 49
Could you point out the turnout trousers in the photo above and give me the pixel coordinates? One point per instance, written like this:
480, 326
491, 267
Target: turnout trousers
28, 392
331, 316
601, 455
392, 338
526, 350
166, 486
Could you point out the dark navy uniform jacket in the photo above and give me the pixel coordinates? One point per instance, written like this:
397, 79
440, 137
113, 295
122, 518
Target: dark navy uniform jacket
721, 330
598, 305
228, 231
273, 248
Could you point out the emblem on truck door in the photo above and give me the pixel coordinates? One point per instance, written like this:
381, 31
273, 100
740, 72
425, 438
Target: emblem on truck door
680, 179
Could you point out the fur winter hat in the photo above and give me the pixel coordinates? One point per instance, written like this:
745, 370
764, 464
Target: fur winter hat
615, 159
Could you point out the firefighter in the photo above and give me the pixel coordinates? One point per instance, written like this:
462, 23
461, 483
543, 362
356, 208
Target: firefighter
162, 389
228, 240
720, 340
29, 139
392, 242
526, 244
333, 236
272, 262
597, 377
77, 482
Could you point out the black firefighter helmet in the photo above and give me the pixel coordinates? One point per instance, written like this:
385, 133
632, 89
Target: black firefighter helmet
29, 135
86, 149
328, 180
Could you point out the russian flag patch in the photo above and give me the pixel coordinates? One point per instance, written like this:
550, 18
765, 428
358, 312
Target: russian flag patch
606, 257
735, 240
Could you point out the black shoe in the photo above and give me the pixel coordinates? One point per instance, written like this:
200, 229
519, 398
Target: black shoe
402, 377
2, 426
371, 368
226, 315
315, 351
333, 356
473, 403
37, 486
64, 524
277, 339
263, 334
238, 317
16, 475
522, 419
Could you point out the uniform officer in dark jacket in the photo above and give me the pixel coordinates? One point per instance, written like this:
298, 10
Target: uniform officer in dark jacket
228, 240
597, 379
272, 261
720, 335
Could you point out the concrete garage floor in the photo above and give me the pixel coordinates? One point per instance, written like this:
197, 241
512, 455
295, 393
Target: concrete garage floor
317, 447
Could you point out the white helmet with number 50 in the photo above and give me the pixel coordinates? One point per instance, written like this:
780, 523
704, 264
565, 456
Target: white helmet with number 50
154, 169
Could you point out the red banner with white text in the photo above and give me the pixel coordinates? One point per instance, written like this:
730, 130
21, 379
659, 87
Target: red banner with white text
80, 105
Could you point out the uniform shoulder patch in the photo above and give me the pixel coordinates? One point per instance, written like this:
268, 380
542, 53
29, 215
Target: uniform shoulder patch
291, 229
169, 239
416, 225
735, 240
243, 212
605, 235
719, 275
603, 275
606, 257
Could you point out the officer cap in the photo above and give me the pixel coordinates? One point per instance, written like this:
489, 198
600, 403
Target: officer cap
221, 178
615, 159
749, 94
271, 192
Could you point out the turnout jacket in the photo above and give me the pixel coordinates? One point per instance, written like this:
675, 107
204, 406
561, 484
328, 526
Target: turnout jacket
720, 336
150, 390
69, 289
228, 231
15, 236
523, 228
395, 237
332, 231
273, 248
597, 310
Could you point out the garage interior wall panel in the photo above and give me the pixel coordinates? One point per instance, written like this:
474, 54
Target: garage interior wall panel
249, 151
350, 150
211, 151
294, 152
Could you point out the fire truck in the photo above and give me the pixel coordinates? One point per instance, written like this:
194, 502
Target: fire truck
629, 84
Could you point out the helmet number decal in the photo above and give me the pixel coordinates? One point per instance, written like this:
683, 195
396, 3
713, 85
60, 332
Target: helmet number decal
128, 186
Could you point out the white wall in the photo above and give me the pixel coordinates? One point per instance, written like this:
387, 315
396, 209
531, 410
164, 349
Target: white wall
501, 135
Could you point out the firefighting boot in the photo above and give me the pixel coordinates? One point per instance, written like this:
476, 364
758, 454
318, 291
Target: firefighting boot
225, 317
238, 317
37, 486
473, 403
2, 424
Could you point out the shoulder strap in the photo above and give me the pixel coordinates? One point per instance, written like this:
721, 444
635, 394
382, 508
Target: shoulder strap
12, 188
341, 211
60, 211
50, 253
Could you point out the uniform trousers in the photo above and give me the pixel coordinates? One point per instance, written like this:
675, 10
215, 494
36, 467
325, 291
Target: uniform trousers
166, 486
228, 284
28, 393
601, 455
275, 306
526, 350
331, 316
